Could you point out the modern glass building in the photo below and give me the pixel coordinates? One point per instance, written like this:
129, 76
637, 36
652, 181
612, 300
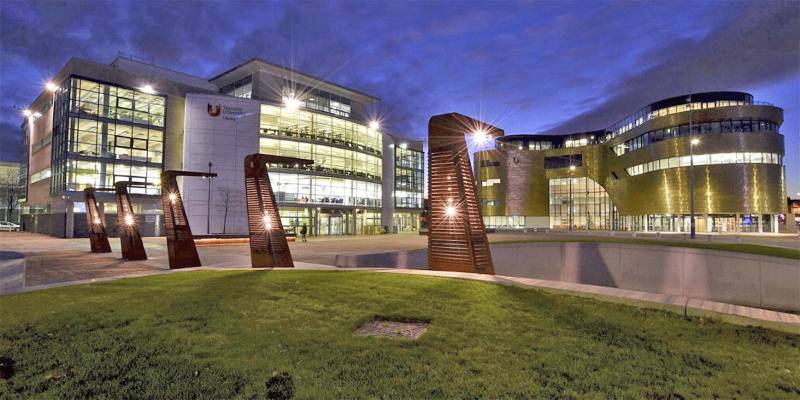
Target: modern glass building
635, 174
97, 124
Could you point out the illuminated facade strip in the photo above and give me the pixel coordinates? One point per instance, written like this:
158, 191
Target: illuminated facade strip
706, 159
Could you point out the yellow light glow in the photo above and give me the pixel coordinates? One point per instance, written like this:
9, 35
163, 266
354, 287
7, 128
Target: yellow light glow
450, 211
27, 112
172, 198
374, 125
695, 141
51, 87
128, 219
572, 168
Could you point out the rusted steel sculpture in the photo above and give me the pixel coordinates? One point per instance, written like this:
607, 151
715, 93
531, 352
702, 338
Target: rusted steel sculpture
127, 225
180, 242
95, 221
268, 245
457, 237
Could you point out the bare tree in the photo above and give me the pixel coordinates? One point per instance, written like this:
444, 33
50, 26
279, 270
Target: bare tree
225, 196
10, 191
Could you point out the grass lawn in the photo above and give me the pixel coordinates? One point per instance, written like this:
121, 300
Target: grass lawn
758, 249
220, 335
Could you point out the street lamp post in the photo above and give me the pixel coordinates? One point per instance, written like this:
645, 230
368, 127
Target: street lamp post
692, 143
570, 211
208, 207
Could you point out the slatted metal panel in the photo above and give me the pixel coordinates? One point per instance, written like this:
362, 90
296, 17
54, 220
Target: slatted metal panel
456, 241
95, 220
128, 225
268, 245
180, 242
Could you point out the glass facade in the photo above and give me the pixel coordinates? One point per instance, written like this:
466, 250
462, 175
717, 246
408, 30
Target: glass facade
304, 188
408, 178
104, 134
317, 99
724, 126
308, 126
648, 113
351, 163
504, 222
706, 159
581, 203
242, 88
347, 171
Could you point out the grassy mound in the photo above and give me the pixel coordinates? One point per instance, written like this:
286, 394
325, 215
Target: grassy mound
284, 334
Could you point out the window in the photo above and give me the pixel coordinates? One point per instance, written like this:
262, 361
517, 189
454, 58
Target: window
706, 159
581, 203
300, 188
726, 126
107, 134
278, 121
563, 161
242, 88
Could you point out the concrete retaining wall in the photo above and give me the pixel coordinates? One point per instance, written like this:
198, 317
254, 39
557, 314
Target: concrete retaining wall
12, 271
728, 277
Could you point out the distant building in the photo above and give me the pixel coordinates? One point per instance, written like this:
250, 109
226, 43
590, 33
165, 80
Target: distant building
793, 217
634, 175
98, 124
10, 190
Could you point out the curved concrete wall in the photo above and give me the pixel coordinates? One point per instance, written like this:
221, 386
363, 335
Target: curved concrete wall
728, 277
12, 271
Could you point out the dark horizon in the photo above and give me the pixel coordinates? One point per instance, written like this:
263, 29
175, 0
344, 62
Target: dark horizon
541, 67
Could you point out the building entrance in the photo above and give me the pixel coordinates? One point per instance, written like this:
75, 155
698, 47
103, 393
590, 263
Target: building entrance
333, 223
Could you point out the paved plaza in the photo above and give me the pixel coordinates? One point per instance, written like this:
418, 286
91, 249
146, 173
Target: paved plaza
53, 260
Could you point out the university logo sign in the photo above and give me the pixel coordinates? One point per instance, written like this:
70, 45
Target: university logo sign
214, 111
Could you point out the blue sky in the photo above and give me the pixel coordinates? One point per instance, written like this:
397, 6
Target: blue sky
527, 67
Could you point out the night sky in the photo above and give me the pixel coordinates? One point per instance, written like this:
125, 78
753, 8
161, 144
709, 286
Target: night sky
529, 67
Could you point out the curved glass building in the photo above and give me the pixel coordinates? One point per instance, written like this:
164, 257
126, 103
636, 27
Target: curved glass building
635, 174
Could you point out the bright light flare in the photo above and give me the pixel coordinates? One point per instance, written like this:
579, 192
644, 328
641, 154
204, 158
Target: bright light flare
450, 211
147, 89
128, 219
27, 112
173, 197
695, 141
36, 115
572, 168
51, 87
267, 223
480, 137
291, 103
97, 221
374, 125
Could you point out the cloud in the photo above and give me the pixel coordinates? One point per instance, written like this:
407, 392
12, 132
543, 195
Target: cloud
756, 46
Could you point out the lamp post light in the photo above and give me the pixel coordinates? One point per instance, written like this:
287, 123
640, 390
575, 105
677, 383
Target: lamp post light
570, 210
208, 206
692, 143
